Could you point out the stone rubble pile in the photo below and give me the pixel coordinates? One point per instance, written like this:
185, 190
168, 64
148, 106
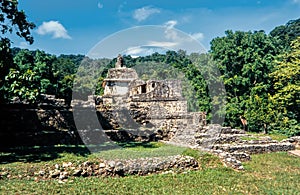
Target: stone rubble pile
294, 140
233, 160
115, 168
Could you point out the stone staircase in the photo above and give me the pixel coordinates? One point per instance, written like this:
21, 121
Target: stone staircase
232, 145
185, 137
234, 140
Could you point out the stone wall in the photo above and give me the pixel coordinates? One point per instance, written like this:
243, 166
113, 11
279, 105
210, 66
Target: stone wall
156, 90
51, 122
163, 117
167, 116
117, 81
41, 124
105, 168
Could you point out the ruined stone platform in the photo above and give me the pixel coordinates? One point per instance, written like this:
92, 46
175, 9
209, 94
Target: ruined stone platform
232, 146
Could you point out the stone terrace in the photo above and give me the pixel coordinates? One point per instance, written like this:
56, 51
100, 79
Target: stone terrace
232, 145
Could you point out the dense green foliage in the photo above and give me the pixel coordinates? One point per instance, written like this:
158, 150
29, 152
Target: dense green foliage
12, 20
260, 73
245, 60
287, 33
37, 72
286, 98
261, 77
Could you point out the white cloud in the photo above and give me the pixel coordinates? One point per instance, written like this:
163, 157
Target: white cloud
143, 50
198, 36
170, 32
54, 28
171, 23
176, 39
100, 5
134, 51
164, 44
144, 12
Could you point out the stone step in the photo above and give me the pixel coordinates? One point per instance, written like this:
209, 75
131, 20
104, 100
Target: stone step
228, 130
219, 139
218, 129
253, 142
184, 134
255, 148
221, 136
184, 138
229, 139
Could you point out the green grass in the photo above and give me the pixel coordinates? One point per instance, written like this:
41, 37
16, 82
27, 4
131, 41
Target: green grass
141, 150
275, 173
278, 137
20, 160
245, 138
61, 153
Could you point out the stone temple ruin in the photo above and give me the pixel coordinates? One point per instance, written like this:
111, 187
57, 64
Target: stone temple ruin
130, 103
130, 109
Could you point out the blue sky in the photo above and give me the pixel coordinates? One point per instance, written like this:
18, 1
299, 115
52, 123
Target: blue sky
75, 27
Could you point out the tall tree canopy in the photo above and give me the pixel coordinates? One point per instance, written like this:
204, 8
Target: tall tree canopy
12, 20
245, 60
286, 78
288, 32
260, 73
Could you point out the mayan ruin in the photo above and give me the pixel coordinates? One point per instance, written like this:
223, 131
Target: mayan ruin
152, 104
137, 97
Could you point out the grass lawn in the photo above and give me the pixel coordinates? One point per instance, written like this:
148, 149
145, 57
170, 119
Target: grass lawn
278, 137
275, 173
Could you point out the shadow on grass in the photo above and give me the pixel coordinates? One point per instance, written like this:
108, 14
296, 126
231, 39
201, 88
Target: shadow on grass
138, 144
48, 153
39, 153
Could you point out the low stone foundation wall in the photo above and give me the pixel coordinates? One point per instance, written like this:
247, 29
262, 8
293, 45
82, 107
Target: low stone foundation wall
142, 166
257, 148
294, 140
